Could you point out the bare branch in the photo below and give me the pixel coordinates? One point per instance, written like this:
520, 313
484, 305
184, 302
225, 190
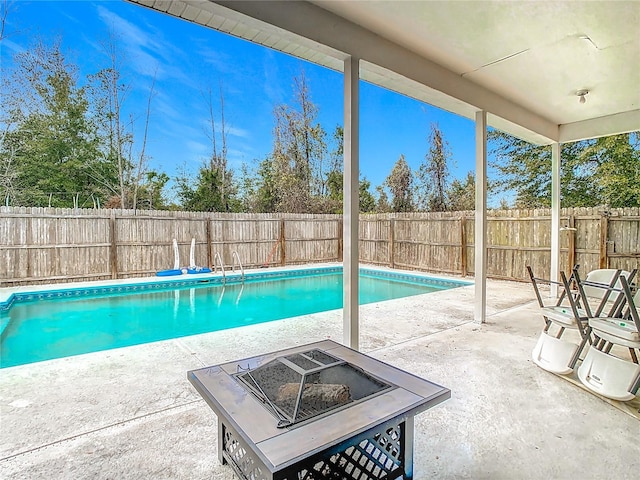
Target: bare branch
141, 168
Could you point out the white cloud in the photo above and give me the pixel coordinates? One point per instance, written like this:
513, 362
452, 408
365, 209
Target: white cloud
164, 106
237, 157
272, 89
196, 148
237, 132
10, 48
150, 54
177, 128
220, 61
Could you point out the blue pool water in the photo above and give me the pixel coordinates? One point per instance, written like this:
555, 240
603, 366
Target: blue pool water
39, 329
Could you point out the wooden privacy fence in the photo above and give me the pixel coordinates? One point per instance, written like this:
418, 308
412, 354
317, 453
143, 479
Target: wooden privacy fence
48, 245
444, 242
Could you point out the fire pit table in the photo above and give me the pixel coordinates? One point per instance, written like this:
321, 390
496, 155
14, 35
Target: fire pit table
315, 411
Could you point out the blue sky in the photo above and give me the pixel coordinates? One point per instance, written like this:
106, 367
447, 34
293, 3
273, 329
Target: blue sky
188, 59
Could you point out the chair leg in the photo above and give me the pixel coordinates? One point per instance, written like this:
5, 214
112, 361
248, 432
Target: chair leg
587, 333
635, 386
586, 338
576, 356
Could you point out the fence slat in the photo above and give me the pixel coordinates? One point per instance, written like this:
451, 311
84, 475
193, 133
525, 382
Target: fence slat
50, 245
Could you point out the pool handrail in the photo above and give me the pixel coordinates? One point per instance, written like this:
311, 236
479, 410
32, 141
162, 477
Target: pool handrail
219, 258
233, 265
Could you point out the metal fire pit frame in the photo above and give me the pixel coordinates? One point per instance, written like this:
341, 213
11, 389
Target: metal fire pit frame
370, 439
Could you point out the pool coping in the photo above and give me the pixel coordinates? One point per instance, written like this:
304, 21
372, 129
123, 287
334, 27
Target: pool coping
8, 296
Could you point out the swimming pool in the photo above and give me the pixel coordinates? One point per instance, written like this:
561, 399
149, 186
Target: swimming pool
59, 323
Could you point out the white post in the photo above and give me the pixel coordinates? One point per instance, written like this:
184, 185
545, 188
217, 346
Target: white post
555, 218
350, 312
480, 271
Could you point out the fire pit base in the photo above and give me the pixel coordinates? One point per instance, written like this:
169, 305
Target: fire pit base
381, 452
369, 437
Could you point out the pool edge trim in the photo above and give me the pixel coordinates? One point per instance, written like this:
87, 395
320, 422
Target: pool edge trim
182, 281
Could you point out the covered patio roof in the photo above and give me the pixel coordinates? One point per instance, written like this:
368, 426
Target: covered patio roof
548, 72
523, 62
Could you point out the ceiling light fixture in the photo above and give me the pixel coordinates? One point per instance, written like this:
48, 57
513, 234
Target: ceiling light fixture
582, 94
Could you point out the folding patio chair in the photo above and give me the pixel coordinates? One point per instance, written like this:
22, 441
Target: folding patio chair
571, 311
551, 352
602, 371
560, 308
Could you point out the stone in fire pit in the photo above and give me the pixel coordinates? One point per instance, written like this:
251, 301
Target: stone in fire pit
299, 386
314, 412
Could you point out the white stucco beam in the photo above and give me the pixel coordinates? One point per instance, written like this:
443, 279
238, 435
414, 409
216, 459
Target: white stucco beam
555, 219
340, 35
350, 272
600, 127
480, 244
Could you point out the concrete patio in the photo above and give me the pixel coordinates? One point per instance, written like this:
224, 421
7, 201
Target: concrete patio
131, 413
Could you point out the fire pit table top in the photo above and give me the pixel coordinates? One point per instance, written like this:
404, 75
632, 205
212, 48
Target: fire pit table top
234, 404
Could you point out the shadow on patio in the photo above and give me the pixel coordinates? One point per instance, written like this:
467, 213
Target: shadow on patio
131, 413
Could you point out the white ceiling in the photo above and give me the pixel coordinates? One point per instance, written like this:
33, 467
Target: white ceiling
521, 61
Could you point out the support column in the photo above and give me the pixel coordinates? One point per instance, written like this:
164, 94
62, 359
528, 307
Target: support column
480, 270
555, 218
350, 312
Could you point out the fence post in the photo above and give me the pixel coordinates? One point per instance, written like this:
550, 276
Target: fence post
463, 244
209, 246
392, 227
113, 253
572, 242
283, 256
340, 240
604, 239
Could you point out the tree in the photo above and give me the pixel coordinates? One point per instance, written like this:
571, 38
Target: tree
4, 13
335, 180
299, 149
367, 202
617, 163
268, 198
212, 189
382, 203
400, 182
150, 194
206, 195
462, 194
48, 141
118, 142
218, 162
433, 173
594, 172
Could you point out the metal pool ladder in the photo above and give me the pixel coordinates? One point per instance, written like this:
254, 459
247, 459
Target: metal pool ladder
236, 259
217, 258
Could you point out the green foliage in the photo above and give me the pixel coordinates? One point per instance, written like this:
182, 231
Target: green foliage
209, 191
299, 150
367, 202
462, 194
433, 173
616, 161
49, 144
65, 145
400, 183
150, 194
335, 197
382, 203
595, 172
267, 193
